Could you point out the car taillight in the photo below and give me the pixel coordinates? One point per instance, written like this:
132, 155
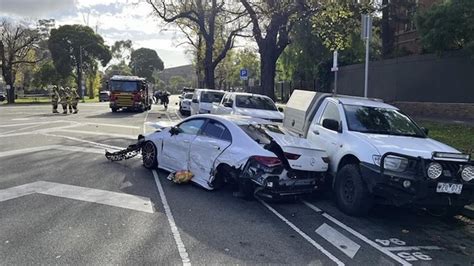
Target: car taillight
292, 156
267, 161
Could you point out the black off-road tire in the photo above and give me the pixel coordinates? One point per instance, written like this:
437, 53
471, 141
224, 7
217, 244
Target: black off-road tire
352, 194
149, 153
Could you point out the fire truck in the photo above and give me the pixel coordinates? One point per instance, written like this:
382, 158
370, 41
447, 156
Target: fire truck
129, 92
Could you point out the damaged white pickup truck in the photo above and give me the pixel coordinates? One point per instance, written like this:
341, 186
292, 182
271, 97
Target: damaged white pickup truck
257, 155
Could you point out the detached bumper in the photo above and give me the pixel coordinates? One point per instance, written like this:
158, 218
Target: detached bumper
418, 190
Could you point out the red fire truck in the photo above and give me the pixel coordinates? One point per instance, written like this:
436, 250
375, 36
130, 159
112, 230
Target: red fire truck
129, 92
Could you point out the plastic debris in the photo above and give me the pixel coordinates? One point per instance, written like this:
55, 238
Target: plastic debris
130, 152
181, 177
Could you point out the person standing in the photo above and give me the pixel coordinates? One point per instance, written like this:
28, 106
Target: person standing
55, 99
63, 99
74, 100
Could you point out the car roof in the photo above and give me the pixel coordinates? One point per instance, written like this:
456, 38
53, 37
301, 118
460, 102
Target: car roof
208, 90
235, 119
248, 94
363, 102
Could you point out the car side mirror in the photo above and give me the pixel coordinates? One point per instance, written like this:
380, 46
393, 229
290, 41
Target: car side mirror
174, 131
332, 124
280, 109
425, 130
181, 97
228, 104
195, 101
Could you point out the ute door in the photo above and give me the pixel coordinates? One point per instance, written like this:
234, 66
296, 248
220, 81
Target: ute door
175, 154
328, 139
213, 139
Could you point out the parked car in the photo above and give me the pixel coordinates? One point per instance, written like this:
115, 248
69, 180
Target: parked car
203, 99
254, 105
104, 96
379, 154
185, 104
256, 154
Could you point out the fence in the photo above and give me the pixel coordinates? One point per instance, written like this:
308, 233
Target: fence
420, 78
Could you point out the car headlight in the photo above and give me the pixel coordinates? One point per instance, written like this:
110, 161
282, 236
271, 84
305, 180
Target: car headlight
467, 173
434, 170
393, 163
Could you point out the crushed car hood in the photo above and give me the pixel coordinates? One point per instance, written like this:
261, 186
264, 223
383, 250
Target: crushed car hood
161, 125
411, 146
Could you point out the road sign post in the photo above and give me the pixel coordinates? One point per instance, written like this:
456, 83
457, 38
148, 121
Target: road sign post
334, 69
366, 35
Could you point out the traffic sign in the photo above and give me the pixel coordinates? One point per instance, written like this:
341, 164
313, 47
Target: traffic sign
244, 74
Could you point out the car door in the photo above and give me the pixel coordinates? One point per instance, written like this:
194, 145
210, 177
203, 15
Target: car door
175, 152
323, 137
218, 108
212, 140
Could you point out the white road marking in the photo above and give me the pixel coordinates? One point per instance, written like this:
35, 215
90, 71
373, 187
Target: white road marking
93, 195
144, 120
414, 248
33, 123
358, 235
51, 147
20, 129
21, 119
341, 242
174, 229
96, 133
110, 125
301, 233
84, 141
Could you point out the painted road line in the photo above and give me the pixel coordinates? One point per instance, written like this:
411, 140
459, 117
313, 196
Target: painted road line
20, 129
33, 123
174, 229
110, 125
144, 120
413, 248
51, 147
96, 133
115, 199
21, 119
301, 233
341, 242
84, 141
358, 235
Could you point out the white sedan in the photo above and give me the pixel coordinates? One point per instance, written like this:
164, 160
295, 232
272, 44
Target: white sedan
256, 154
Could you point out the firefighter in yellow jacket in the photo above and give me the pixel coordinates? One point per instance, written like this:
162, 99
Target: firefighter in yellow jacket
74, 100
55, 99
63, 99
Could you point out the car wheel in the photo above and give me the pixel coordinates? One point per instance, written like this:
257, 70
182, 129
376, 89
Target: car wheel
352, 195
149, 155
445, 211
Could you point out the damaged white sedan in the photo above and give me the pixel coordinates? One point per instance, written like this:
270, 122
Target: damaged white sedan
255, 154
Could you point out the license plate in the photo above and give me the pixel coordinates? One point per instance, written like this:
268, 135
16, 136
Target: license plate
449, 188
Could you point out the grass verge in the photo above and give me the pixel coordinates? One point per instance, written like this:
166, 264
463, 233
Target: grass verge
457, 135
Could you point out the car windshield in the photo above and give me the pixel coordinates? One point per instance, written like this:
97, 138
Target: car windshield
188, 96
255, 102
211, 97
380, 121
126, 86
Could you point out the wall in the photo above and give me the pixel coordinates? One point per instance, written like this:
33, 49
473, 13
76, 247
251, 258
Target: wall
420, 78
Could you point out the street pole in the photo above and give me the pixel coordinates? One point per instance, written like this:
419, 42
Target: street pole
366, 79
79, 75
366, 35
334, 69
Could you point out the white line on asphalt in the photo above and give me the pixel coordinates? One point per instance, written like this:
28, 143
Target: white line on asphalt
85, 141
340, 241
97, 133
144, 120
358, 235
21, 119
110, 125
174, 229
50, 147
19, 129
93, 195
414, 248
304, 235
33, 123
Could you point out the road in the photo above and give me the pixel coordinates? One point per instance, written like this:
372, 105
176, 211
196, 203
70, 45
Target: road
62, 202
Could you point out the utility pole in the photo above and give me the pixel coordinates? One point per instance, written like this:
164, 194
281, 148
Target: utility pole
334, 69
366, 35
79, 74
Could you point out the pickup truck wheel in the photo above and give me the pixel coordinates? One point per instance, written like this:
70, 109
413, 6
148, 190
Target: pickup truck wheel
445, 212
149, 155
352, 195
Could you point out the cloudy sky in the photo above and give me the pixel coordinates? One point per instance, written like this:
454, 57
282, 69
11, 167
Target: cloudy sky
114, 19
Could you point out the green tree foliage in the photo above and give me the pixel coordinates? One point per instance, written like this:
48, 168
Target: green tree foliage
176, 84
121, 50
144, 61
117, 69
448, 26
71, 45
47, 75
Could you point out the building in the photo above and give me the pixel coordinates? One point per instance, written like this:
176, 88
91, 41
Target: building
407, 39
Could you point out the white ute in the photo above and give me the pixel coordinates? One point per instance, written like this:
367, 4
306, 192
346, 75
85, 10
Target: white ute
256, 154
378, 153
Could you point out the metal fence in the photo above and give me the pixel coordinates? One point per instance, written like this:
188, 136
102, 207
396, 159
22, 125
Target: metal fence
421, 78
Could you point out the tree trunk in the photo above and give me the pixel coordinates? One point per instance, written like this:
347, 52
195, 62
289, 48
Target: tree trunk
387, 31
267, 72
209, 77
79, 80
10, 81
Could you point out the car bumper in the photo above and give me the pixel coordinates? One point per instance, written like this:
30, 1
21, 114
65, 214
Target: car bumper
421, 191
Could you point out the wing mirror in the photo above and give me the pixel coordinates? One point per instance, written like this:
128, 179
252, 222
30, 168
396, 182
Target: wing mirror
425, 130
195, 101
180, 96
174, 131
228, 104
280, 109
332, 124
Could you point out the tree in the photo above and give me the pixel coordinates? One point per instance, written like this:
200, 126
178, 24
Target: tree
272, 23
47, 75
16, 44
77, 47
118, 69
144, 61
121, 50
177, 83
212, 20
448, 26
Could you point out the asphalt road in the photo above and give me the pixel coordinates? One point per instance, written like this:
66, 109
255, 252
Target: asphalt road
62, 202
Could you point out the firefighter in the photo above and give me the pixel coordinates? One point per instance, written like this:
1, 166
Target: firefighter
165, 100
74, 100
69, 99
55, 99
63, 99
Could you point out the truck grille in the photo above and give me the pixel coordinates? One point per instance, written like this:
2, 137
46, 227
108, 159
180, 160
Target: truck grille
124, 100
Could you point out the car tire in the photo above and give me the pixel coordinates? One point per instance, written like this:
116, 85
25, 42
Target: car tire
445, 211
352, 194
149, 154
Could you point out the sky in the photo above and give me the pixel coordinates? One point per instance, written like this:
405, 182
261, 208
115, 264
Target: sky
114, 20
